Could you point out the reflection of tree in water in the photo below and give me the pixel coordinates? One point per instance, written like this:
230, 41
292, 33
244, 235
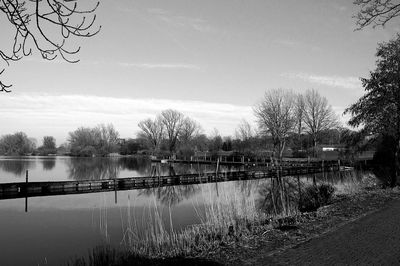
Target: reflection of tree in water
181, 169
279, 195
93, 168
49, 163
17, 166
247, 187
172, 195
105, 167
139, 164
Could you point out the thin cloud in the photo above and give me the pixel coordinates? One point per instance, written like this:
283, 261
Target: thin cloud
161, 66
295, 44
177, 21
44, 114
332, 81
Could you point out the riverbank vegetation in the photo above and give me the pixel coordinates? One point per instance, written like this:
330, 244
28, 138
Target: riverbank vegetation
377, 111
242, 222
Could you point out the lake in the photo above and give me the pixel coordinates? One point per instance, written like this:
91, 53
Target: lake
59, 168
56, 229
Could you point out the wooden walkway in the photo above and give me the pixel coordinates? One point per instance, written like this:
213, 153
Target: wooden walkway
33, 189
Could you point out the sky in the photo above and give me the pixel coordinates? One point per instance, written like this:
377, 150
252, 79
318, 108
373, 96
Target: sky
211, 60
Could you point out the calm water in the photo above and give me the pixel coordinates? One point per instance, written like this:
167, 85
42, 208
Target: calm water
12, 169
58, 228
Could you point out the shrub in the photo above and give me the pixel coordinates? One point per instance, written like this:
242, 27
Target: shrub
314, 197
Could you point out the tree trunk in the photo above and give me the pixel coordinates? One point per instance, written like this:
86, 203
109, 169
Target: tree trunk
281, 148
315, 146
396, 172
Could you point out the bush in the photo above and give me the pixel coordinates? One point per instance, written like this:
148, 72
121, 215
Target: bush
314, 197
384, 161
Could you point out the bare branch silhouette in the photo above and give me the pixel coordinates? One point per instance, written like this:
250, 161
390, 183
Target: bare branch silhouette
376, 12
35, 21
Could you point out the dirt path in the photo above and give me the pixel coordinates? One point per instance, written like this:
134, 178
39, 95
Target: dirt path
371, 240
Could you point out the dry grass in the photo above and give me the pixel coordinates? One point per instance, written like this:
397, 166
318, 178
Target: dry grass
224, 217
228, 212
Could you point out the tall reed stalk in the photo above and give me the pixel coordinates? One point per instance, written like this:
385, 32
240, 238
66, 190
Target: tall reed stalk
223, 215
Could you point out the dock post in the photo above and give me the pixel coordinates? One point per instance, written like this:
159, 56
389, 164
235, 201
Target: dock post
26, 190
115, 192
217, 169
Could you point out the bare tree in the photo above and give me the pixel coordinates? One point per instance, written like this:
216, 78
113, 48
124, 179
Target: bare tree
152, 132
275, 117
299, 113
299, 117
318, 115
173, 122
190, 129
108, 138
376, 12
244, 131
34, 23
216, 141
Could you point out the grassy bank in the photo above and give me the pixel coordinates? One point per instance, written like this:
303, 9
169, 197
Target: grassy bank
238, 224
350, 202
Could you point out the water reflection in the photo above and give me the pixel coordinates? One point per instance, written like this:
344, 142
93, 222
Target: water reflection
49, 163
279, 195
183, 206
139, 164
66, 168
282, 195
17, 166
172, 195
93, 168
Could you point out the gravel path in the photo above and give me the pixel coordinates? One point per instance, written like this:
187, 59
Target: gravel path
371, 240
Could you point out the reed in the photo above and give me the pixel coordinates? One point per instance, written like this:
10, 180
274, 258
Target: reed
228, 213
225, 215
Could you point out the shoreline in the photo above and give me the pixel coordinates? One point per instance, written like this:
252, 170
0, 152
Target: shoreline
268, 238
344, 209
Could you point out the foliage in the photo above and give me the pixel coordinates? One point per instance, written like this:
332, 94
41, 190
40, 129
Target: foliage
313, 197
16, 144
131, 146
378, 110
384, 159
48, 147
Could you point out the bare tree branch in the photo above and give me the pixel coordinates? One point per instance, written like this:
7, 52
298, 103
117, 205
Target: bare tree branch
173, 122
318, 115
275, 117
152, 132
3, 87
376, 12
35, 21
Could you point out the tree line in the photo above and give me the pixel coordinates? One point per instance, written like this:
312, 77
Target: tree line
286, 121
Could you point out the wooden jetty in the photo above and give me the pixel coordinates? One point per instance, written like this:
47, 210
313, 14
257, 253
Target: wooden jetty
285, 163
33, 189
